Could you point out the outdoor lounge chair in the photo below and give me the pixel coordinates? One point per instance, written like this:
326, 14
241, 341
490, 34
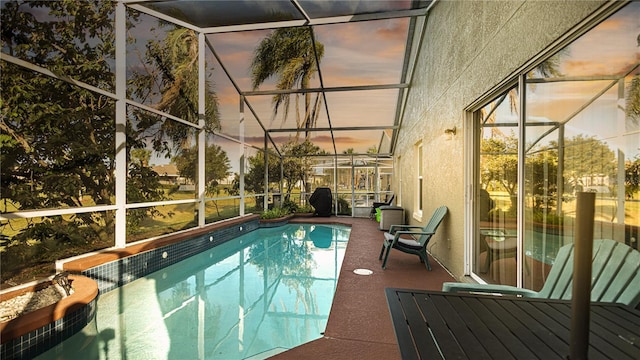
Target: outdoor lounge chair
420, 235
615, 276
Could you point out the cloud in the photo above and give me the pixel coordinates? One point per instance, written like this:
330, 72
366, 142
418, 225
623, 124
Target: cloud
616, 41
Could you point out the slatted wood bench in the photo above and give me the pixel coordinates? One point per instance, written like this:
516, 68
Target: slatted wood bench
439, 325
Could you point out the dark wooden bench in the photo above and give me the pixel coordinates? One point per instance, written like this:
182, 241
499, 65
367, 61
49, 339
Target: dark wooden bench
439, 325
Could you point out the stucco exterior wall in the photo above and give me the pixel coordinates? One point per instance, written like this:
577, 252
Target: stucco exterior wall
468, 48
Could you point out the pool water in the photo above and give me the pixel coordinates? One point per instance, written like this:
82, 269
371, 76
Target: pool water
250, 298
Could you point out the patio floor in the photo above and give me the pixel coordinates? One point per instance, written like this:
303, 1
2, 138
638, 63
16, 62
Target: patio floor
359, 325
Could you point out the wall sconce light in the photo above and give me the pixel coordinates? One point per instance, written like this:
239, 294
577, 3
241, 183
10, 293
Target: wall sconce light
450, 132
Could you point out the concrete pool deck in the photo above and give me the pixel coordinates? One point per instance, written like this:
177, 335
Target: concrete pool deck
359, 325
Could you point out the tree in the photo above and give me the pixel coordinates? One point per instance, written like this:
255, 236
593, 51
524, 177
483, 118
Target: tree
58, 139
58, 136
587, 157
632, 107
296, 167
254, 178
290, 54
297, 164
499, 165
632, 177
143, 184
170, 82
217, 166
541, 175
234, 188
141, 156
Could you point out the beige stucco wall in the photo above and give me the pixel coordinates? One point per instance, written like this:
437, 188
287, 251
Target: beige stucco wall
469, 47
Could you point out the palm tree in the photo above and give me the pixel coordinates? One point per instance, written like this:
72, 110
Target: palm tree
170, 83
548, 68
173, 75
290, 54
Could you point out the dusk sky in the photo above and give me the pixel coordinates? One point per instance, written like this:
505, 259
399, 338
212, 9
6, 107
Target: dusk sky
351, 59
371, 53
355, 54
610, 48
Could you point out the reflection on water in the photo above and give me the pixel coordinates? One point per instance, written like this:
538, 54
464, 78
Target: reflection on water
262, 293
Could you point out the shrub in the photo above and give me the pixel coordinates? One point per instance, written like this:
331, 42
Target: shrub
306, 209
551, 218
290, 206
344, 207
274, 213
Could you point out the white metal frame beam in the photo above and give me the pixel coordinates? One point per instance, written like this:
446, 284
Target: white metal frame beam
326, 89
139, 6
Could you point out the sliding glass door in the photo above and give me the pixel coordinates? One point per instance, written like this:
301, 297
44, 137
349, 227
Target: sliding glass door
574, 126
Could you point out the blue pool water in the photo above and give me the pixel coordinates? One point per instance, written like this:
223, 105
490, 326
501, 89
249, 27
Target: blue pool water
249, 298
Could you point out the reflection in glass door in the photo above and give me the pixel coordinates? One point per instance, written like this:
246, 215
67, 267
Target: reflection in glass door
495, 244
580, 132
583, 134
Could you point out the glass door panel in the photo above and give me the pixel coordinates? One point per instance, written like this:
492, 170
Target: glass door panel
495, 244
582, 134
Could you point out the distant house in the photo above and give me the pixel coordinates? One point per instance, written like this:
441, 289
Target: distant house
168, 174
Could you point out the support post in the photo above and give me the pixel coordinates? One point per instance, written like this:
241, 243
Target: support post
121, 126
242, 155
581, 291
202, 109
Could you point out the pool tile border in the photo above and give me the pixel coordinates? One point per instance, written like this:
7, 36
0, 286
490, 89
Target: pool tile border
113, 274
61, 321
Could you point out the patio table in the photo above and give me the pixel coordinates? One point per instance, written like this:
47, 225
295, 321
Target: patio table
439, 325
500, 244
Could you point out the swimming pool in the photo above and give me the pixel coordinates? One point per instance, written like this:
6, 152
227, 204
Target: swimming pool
262, 293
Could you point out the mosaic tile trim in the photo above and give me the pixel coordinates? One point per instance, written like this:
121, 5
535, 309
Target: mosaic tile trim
274, 223
39, 341
117, 273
